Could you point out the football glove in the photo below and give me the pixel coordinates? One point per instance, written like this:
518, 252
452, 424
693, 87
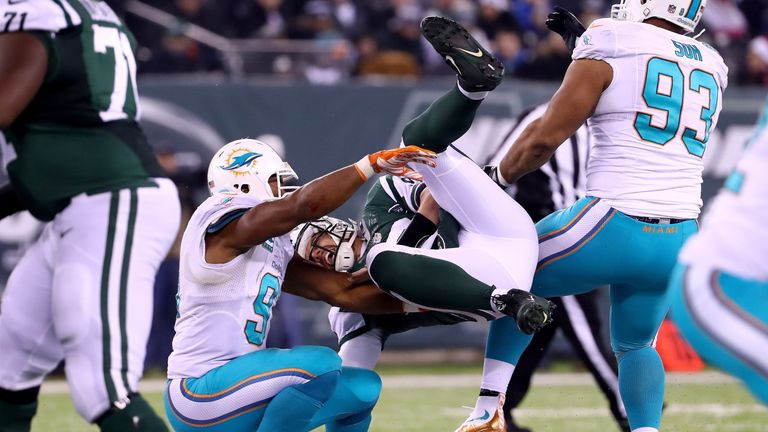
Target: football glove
395, 161
566, 25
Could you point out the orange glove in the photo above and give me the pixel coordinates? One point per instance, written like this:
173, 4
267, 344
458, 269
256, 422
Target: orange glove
394, 162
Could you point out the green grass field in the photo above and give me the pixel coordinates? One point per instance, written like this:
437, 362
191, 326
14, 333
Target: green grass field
412, 402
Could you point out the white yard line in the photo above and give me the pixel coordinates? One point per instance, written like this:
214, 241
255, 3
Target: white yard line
461, 380
716, 410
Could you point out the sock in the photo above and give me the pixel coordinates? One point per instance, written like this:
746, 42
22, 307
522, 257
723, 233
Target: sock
16, 417
470, 94
136, 416
17, 407
293, 408
445, 121
645, 429
429, 282
485, 406
496, 375
349, 408
505, 342
641, 384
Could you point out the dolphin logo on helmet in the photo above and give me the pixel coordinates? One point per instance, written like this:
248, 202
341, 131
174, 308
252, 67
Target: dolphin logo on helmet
242, 160
234, 169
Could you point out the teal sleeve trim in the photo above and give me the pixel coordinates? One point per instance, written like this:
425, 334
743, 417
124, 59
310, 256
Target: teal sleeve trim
225, 220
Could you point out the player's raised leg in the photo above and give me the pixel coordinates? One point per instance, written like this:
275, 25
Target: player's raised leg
478, 72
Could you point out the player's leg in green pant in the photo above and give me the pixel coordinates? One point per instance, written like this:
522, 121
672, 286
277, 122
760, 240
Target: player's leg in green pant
428, 281
445, 121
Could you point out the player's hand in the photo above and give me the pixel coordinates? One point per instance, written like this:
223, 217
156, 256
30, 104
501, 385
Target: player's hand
492, 171
395, 162
566, 25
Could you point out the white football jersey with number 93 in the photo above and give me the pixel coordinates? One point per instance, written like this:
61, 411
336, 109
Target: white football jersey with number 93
652, 124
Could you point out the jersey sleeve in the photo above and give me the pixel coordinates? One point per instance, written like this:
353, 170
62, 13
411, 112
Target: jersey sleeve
598, 42
221, 209
406, 192
37, 15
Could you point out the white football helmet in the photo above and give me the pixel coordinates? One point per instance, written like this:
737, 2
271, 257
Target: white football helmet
305, 240
683, 13
245, 166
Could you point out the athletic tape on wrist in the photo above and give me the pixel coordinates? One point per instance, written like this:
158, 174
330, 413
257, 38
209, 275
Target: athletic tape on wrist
364, 168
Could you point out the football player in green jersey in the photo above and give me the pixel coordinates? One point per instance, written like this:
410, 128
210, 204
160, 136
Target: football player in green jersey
77, 159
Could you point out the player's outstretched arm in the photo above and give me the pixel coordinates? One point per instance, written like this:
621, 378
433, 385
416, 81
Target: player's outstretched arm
23, 63
309, 202
337, 289
572, 104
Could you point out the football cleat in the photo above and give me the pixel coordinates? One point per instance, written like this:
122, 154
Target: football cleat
530, 312
477, 69
487, 422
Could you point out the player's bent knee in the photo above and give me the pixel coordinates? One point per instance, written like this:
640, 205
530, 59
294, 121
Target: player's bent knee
364, 384
321, 387
318, 359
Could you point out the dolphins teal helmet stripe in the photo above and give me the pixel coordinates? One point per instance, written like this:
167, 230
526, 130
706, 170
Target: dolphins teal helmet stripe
694, 9
241, 161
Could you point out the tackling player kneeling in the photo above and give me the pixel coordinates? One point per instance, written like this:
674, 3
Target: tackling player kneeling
236, 257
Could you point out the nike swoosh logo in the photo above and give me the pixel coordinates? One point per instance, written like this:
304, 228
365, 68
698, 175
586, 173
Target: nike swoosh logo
450, 59
485, 416
13, 2
478, 53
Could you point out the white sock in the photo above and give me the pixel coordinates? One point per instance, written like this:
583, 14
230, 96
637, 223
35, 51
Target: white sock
496, 375
473, 95
645, 429
484, 408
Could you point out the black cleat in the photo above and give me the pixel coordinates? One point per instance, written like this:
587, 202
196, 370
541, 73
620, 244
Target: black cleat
478, 70
530, 312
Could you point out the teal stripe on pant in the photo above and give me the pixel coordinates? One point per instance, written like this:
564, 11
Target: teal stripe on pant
751, 297
237, 398
589, 245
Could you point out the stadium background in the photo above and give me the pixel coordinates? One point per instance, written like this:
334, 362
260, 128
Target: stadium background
327, 81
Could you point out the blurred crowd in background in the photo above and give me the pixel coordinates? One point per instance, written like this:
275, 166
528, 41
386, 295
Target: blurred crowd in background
369, 39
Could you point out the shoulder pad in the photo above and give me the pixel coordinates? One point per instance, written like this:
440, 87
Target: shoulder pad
37, 15
598, 42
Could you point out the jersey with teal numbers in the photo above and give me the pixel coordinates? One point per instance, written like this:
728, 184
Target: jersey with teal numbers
79, 133
651, 126
734, 232
224, 310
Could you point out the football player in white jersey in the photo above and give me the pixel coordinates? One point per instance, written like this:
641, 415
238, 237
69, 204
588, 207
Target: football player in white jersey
720, 285
236, 258
651, 96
